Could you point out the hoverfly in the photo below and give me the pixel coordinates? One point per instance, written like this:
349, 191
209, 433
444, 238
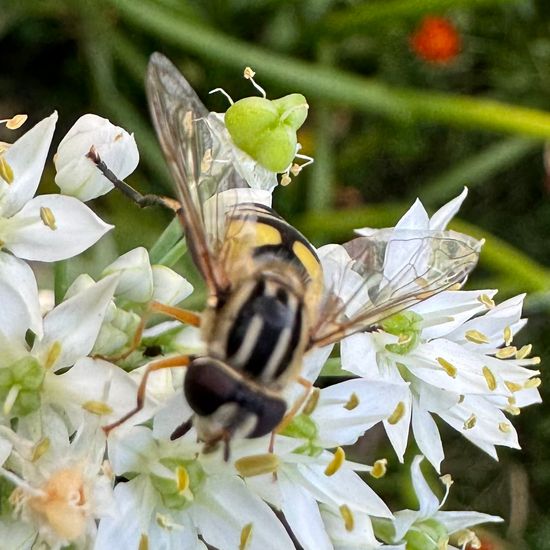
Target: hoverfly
269, 301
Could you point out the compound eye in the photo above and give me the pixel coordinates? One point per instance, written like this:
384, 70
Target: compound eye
269, 417
207, 386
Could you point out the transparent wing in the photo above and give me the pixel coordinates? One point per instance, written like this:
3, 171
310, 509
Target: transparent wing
370, 278
204, 164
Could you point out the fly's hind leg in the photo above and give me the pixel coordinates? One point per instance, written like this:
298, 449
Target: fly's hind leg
169, 363
182, 315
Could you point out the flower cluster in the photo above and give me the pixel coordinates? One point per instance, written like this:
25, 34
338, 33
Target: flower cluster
72, 366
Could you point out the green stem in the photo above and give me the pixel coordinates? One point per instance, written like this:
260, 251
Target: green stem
497, 255
61, 280
175, 254
335, 85
361, 15
476, 169
168, 239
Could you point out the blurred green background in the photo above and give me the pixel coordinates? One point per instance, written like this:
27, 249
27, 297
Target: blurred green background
390, 120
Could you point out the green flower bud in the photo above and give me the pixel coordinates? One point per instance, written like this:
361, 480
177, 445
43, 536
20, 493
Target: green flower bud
427, 535
266, 130
20, 386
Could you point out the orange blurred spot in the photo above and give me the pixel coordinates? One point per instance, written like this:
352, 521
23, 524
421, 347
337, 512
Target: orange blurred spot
436, 40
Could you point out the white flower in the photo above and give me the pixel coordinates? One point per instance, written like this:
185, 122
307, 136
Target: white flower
48, 227
61, 486
449, 350
76, 174
429, 528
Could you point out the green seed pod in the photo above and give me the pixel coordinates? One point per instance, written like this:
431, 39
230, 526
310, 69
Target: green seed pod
266, 130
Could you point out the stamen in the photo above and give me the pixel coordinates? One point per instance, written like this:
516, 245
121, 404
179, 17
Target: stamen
450, 369
182, 479
506, 353
53, 355
40, 449
246, 536
188, 124
468, 537
513, 386
347, 516
533, 383
285, 179
490, 378
143, 542
487, 301
11, 398
380, 468
311, 403
512, 408
524, 351
97, 407
504, 427
397, 414
336, 463
6, 172
15, 121
47, 217
223, 92
255, 465
470, 422
508, 336
249, 74
447, 480
353, 402
476, 337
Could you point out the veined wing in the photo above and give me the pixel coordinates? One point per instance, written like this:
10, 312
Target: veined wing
371, 278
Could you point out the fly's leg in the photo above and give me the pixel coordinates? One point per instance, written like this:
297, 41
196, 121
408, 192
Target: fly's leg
169, 363
296, 406
141, 200
183, 315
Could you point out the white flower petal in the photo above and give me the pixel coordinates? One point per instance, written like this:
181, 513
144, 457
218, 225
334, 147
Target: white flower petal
76, 229
224, 507
302, 514
455, 521
446, 213
429, 503
26, 158
398, 432
416, 217
20, 308
358, 353
75, 324
76, 174
427, 436
169, 287
135, 282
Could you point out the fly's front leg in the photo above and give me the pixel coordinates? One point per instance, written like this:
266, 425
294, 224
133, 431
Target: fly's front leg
183, 315
169, 363
141, 200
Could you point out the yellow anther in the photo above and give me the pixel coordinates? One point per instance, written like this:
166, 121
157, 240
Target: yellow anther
487, 301
311, 403
379, 468
476, 337
532, 383
246, 536
506, 353
40, 449
508, 336
460, 399
206, 161
182, 479
285, 180
336, 463
347, 516
490, 378
524, 351
248, 73
504, 427
187, 124
53, 354
447, 367
255, 465
352, 402
397, 414
404, 339
513, 410
143, 542
6, 172
295, 169
47, 217
513, 386
15, 122
97, 407
535, 361
466, 536
447, 480
470, 422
